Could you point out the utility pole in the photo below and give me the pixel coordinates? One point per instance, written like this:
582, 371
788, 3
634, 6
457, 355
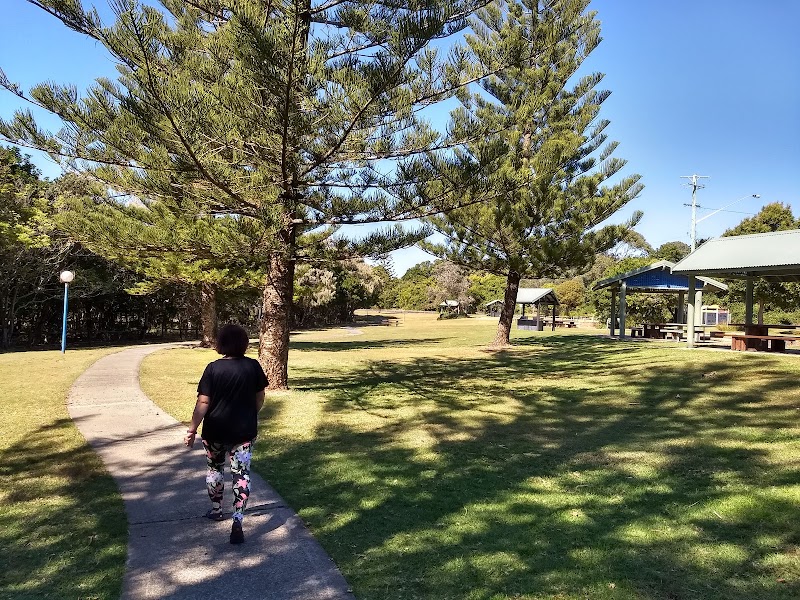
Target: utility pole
695, 186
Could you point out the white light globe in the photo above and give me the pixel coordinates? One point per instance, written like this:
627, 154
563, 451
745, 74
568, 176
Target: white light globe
67, 276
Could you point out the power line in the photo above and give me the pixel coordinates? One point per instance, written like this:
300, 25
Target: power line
727, 206
739, 212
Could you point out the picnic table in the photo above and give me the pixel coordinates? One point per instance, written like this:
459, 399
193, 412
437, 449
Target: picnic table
560, 322
756, 337
653, 330
529, 323
674, 331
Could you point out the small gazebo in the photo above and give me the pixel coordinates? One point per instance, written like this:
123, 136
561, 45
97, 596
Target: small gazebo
449, 306
773, 256
538, 297
657, 278
493, 308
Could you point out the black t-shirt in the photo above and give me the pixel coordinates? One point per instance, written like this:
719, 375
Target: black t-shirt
232, 385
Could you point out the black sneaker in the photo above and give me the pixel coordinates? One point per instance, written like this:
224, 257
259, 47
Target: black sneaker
237, 535
215, 515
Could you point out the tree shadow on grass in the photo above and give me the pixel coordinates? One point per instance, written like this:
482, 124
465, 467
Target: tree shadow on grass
379, 319
566, 471
358, 344
63, 530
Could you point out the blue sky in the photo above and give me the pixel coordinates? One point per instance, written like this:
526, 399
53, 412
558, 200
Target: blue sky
698, 86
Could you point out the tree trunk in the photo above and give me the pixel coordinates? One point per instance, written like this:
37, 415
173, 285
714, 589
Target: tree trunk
146, 325
37, 322
4, 339
208, 314
90, 325
760, 311
12, 316
502, 338
273, 342
273, 339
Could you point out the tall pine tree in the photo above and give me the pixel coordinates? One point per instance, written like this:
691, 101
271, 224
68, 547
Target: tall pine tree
293, 113
542, 156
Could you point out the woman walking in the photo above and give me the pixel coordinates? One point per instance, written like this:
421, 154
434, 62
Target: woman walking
229, 396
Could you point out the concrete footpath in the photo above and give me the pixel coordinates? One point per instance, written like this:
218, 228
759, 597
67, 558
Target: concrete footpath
173, 551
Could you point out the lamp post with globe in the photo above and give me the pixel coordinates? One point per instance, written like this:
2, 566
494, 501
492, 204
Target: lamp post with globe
66, 278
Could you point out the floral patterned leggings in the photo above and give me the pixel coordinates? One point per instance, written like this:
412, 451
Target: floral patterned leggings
240, 471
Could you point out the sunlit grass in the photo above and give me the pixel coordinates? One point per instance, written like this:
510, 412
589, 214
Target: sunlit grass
570, 466
63, 531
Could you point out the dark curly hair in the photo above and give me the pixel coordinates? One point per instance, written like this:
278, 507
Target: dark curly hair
232, 340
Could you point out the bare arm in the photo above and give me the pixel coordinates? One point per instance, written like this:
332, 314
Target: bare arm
200, 410
259, 400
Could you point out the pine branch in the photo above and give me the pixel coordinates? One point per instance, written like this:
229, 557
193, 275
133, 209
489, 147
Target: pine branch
170, 117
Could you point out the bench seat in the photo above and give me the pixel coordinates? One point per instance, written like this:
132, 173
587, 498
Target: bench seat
765, 343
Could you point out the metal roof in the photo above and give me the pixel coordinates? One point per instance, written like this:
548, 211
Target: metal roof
450, 303
774, 255
534, 295
493, 302
657, 278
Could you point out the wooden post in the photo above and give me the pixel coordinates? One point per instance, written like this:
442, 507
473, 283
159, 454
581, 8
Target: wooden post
553, 324
748, 302
622, 290
698, 308
690, 317
679, 316
613, 320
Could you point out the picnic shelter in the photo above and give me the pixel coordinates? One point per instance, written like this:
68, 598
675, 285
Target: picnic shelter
493, 308
450, 306
657, 278
536, 297
773, 256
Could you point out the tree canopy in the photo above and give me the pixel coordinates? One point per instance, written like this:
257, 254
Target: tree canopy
672, 251
770, 294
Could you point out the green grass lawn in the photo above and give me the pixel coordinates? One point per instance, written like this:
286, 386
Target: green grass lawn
568, 467
63, 531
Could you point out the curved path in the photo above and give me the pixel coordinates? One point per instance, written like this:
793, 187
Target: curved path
173, 551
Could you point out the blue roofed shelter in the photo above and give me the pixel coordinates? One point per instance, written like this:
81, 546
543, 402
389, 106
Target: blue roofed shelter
656, 278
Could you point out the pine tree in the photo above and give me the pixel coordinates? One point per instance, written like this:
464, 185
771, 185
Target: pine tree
542, 158
292, 113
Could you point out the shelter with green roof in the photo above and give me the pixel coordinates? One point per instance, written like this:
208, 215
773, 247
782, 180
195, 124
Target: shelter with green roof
538, 297
773, 256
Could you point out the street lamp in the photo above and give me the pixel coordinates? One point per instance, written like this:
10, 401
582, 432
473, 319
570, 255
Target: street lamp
66, 278
696, 221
